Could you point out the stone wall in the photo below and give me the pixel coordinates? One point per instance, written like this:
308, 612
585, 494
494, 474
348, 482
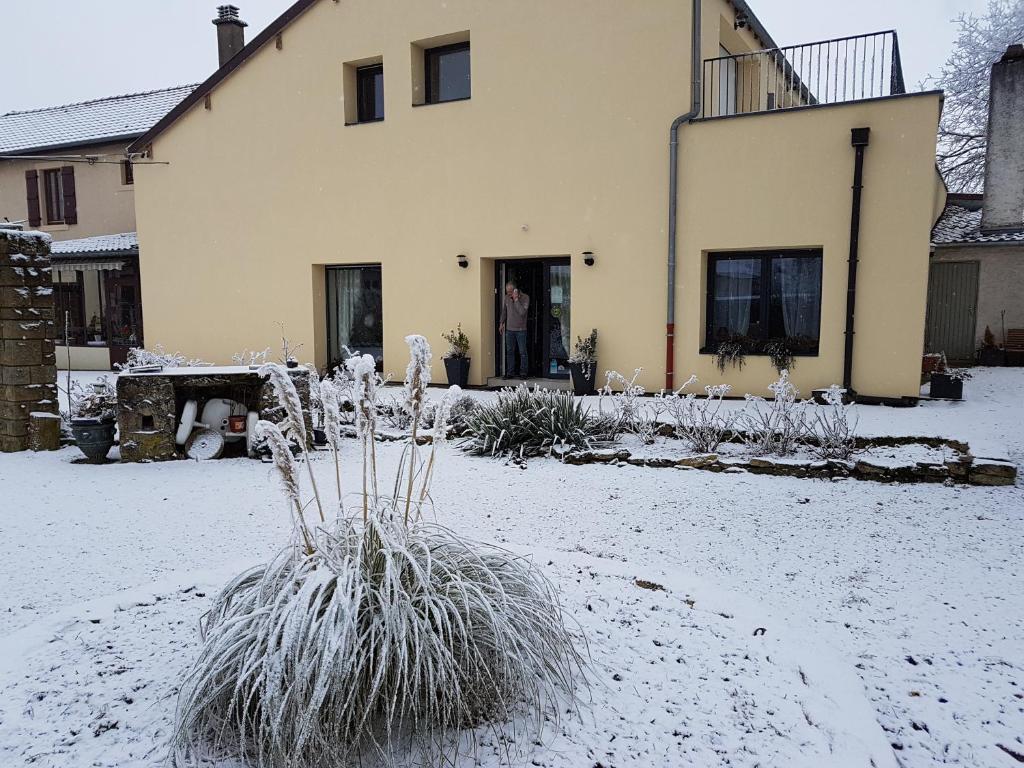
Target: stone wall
28, 370
149, 405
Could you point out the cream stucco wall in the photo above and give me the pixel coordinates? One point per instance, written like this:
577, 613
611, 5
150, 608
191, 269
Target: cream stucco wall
561, 149
105, 205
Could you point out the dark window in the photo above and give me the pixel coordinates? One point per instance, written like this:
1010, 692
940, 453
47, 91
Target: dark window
69, 304
370, 93
760, 297
447, 73
354, 309
128, 171
54, 190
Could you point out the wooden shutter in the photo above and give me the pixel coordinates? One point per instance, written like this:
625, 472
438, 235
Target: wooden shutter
70, 201
35, 217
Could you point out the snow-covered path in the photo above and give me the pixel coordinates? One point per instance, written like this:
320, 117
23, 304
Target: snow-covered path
915, 592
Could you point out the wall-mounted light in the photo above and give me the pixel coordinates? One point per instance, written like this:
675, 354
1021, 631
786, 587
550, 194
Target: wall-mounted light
742, 20
588, 258
463, 260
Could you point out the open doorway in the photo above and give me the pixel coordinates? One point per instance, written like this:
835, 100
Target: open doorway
547, 283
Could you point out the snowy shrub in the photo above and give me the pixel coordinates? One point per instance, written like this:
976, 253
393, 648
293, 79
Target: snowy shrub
631, 411
95, 401
462, 409
835, 436
138, 356
247, 357
458, 343
701, 423
584, 353
526, 422
778, 426
377, 638
393, 413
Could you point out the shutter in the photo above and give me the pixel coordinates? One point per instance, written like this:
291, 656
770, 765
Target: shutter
35, 217
67, 180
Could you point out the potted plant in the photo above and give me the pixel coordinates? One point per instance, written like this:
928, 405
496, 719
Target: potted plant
949, 383
93, 419
780, 352
988, 352
456, 359
732, 351
583, 365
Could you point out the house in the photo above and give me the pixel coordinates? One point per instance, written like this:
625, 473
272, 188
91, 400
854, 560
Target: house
666, 174
64, 171
977, 265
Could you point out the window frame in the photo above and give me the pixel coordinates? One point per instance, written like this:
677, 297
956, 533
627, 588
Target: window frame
765, 297
60, 215
431, 83
329, 294
127, 173
365, 78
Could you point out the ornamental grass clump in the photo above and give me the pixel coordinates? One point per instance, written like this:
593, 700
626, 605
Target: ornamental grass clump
526, 422
376, 638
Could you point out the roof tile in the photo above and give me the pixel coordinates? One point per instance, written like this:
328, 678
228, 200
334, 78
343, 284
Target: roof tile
959, 225
89, 121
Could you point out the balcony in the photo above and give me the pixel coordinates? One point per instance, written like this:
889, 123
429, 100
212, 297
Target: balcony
813, 74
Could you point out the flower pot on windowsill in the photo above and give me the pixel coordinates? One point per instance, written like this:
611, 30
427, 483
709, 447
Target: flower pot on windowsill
457, 370
94, 437
946, 387
584, 377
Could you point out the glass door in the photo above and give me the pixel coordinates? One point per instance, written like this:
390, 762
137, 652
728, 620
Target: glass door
354, 310
557, 314
547, 283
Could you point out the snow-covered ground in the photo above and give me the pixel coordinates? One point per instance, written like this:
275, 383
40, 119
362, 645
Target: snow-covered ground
893, 614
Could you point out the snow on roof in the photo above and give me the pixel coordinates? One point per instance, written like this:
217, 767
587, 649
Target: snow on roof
958, 225
115, 117
125, 242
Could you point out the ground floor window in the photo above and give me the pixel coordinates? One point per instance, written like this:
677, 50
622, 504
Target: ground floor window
759, 297
354, 312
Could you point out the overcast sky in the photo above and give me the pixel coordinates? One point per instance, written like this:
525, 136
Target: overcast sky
60, 51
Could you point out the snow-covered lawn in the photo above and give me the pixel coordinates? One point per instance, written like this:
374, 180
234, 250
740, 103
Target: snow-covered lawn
893, 615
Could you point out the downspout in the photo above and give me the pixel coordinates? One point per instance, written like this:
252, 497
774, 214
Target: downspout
859, 139
673, 192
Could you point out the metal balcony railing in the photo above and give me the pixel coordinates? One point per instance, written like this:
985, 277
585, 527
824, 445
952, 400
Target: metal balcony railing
826, 72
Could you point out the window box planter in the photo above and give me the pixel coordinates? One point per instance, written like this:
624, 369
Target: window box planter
457, 370
945, 386
94, 437
584, 378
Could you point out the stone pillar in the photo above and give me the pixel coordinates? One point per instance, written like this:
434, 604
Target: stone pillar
28, 367
1003, 206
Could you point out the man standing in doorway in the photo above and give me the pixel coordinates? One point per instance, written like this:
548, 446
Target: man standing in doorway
512, 325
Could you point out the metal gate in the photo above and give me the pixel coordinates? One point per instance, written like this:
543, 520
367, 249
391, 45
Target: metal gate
952, 309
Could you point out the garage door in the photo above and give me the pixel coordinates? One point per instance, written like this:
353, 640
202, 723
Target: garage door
952, 309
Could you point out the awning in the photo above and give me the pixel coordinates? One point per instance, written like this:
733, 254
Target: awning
85, 265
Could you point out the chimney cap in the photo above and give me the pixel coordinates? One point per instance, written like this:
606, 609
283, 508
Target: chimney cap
1014, 52
228, 14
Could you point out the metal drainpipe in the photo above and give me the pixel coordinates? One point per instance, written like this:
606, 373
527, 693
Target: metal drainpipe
673, 192
859, 138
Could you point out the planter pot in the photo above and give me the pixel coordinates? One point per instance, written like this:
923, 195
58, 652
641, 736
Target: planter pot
991, 356
292, 363
457, 369
945, 386
94, 438
319, 436
582, 384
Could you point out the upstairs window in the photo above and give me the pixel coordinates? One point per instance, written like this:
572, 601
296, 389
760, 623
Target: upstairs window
53, 189
370, 93
756, 298
447, 73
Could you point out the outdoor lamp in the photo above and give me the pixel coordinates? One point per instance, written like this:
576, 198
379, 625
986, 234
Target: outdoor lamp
588, 258
742, 20
463, 260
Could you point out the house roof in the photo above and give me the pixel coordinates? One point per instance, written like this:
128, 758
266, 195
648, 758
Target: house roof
293, 12
961, 226
89, 122
123, 244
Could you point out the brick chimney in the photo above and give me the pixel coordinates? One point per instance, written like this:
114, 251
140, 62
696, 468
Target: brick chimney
230, 32
1003, 207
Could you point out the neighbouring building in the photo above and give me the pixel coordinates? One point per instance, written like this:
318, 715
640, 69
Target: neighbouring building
977, 267
64, 171
662, 172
